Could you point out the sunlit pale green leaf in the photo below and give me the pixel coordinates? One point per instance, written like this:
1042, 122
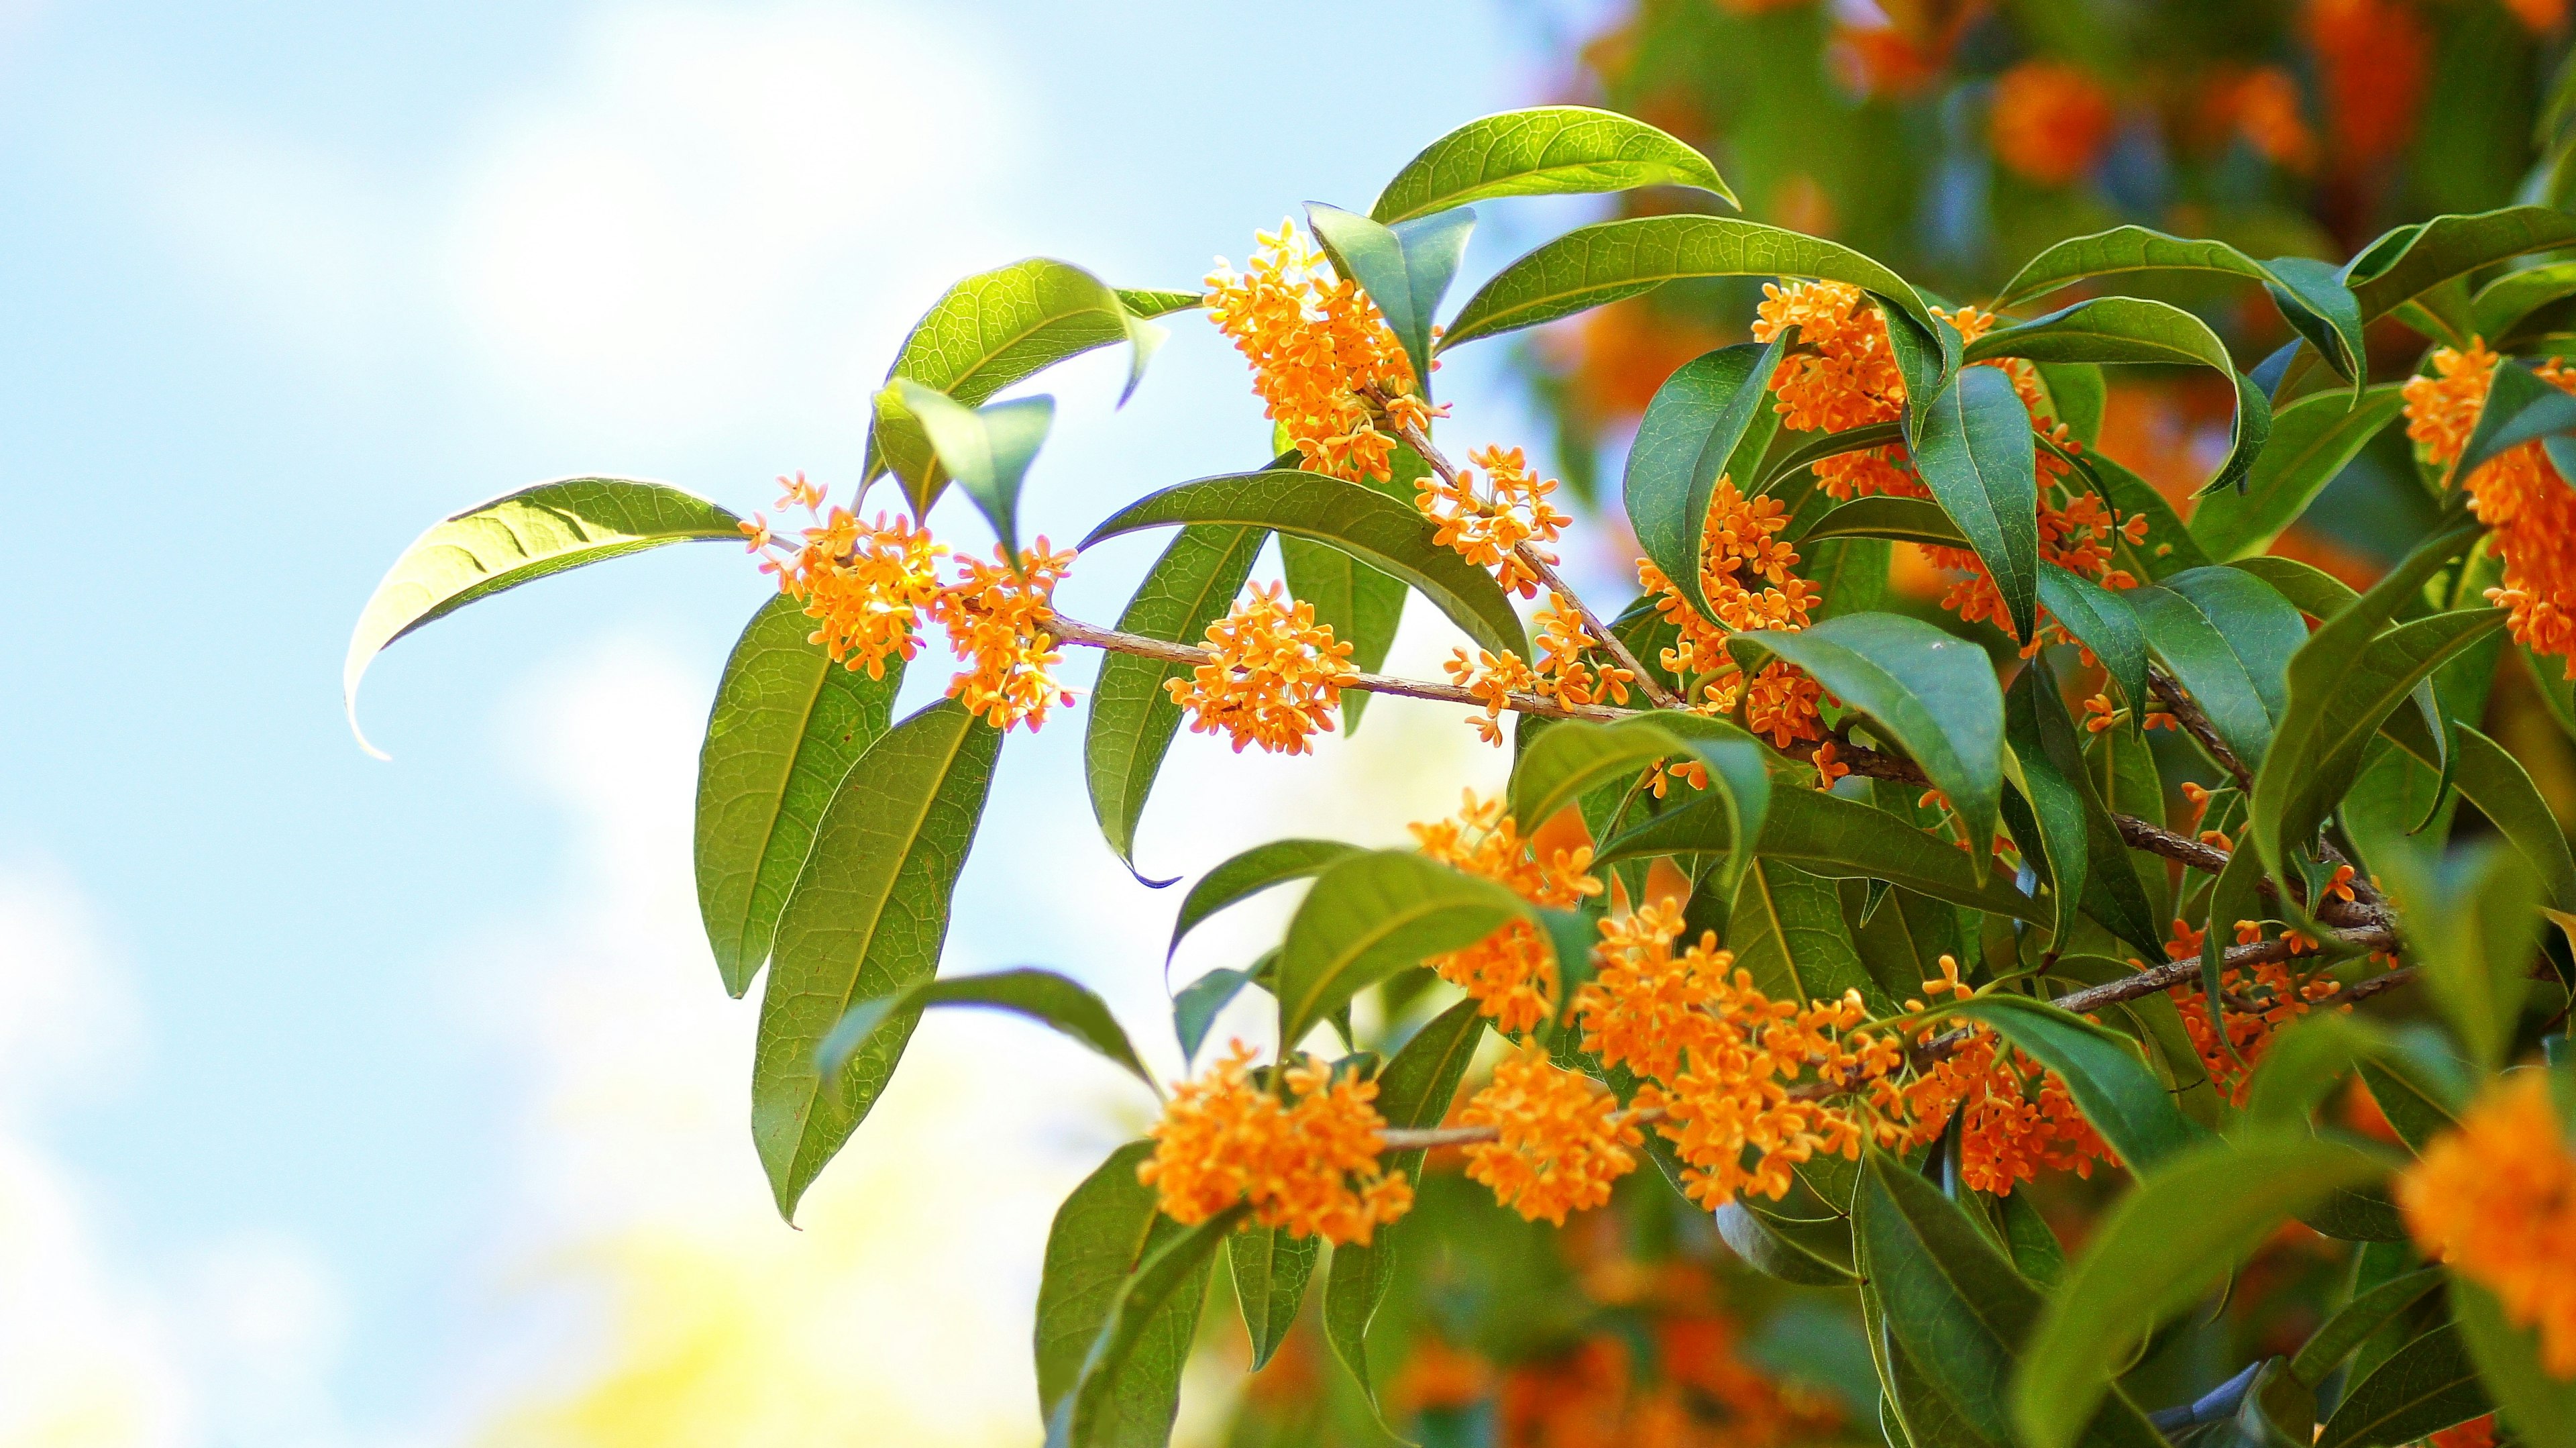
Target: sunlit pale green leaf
1542, 151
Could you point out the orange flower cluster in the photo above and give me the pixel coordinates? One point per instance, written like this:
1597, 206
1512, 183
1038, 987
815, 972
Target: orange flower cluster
2376, 56
1315, 341
2018, 1117
2277, 994
1493, 679
1563, 1139
1512, 972
866, 585
1570, 670
996, 619
1744, 573
1307, 1160
2051, 121
1490, 532
2262, 105
1276, 678
2497, 1200
1699, 1393
2519, 494
1724, 1061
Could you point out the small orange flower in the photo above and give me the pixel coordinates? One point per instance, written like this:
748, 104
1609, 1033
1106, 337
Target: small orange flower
1828, 768
996, 620
2099, 715
1306, 1159
2051, 121
1314, 340
1512, 972
1490, 532
2518, 494
1563, 1140
1275, 680
2497, 1200
1492, 680
867, 586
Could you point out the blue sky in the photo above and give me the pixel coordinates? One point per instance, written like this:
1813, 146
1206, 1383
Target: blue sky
348, 1088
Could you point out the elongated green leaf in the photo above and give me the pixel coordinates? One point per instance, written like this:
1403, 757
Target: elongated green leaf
1605, 262
2304, 1063
2312, 440
1362, 607
866, 919
2046, 809
2412, 1098
2520, 406
1911, 520
1687, 442
2121, 251
1413, 1092
1043, 996
1371, 915
1787, 929
1932, 693
2474, 922
2102, 621
2316, 304
1132, 719
2428, 1385
988, 331
2102, 1071
2169, 1243
1148, 303
2411, 261
1102, 1232
1404, 269
987, 450
1542, 151
2354, 1322
1769, 1251
2493, 780
1195, 1006
1270, 1269
1576, 756
787, 725
2310, 589
2227, 638
1975, 454
518, 538
1839, 838
2539, 1408
2502, 303
2077, 397
1247, 874
2133, 329
1117, 1401
1788, 459
1850, 574
1366, 524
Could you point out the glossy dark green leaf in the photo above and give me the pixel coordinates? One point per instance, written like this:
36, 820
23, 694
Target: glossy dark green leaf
1787, 929
1254, 870
2110, 1084
2313, 439
2519, 407
1132, 720
1270, 1268
1117, 1400
1362, 522
867, 919
986, 450
1405, 271
1576, 756
1931, 693
1910, 520
2407, 263
1371, 915
2428, 1385
1772, 1253
2310, 589
1104, 1230
518, 538
2227, 637
1975, 454
2077, 397
1611, 260
2473, 921
2355, 1321
2120, 251
1687, 442
2102, 621
1826, 835
786, 727
2538, 1407
1798, 452
2045, 809
1851, 575
2502, 303
1195, 1006
1542, 151
1051, 1000
2488, 776
2170, 1242
2320, 308
1413, 1093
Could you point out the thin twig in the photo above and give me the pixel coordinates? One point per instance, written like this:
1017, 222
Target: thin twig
2186, 711
1433, 1138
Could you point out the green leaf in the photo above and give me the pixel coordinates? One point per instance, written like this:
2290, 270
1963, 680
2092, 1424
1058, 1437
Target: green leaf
1956, 1311
2493, 780
2165, 1246
1591, 266
2539, 1409
1247, 874
1542, 151
2102, 1071
1362, 607
2310, 589
518, 538
1911, 520
866, 919
2306, 291
2519, 407
1104, 1230
1195, 1007
1575, 756
1362, 522
1771, 1252
2169, 548
1826, 835
2415, 1098
1149, 303
1850, 575
2411, 261
2047, 811
1132, 719
2316, 303
1270, 1271
2341, 683
787, 725
2474, 922
2133, 329
1405, 270
987, 450
2502, 303
2355, 1322
1413, 1093
1051, 1000
2428, 1385
1118, 1398
1787, 929
2313, 439
2077, 397
1931, 693
2227, 637
2305, 1062
988, 331
1371, 915
2102, 621
1976, 456
1687, 442
1797, 452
